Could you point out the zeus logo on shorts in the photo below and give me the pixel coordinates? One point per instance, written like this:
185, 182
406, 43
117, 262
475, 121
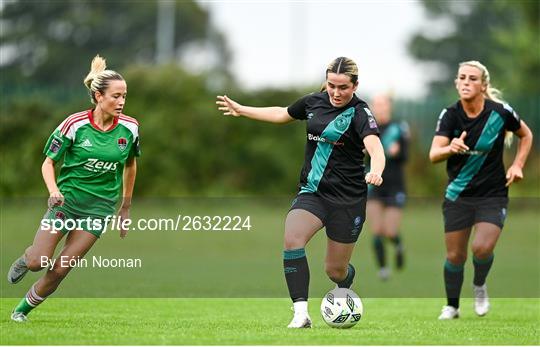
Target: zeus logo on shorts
96, 165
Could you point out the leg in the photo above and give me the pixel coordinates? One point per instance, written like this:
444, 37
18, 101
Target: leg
375, 216
456, 255
485, 239
77, 245
337, 264
42, 248
300, 226
392, 221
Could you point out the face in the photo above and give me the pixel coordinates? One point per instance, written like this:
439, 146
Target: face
114, 98
469, 82
382, 108
340, 89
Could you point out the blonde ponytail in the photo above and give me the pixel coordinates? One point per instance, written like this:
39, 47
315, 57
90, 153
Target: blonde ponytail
98, 78
490, 93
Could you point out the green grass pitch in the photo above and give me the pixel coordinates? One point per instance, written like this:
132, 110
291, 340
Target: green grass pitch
227, 288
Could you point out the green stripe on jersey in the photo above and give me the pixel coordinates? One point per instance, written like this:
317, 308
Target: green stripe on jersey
490, 133
332, 132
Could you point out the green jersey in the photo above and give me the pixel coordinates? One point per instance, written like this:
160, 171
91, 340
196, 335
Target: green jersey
91, 175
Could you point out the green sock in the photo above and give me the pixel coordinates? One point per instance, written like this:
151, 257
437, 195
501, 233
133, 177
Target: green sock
23, 307
29, 302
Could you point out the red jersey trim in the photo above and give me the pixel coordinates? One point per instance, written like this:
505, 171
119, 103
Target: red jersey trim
91, 118
71, 120
129, 119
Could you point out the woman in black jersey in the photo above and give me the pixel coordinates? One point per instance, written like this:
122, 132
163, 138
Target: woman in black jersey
470, 136
385, 203
333, 188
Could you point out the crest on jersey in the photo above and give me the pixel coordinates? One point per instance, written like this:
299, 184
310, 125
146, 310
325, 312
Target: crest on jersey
341, 123
55, 146
122, 143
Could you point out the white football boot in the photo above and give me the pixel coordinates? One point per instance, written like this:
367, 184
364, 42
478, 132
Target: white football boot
481, 300
17, 270
301, 317
449, 312
18, 317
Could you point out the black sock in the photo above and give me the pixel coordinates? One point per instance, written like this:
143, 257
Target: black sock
378, 245
396, 240
347, 282
296, 270
453, 280
481, 269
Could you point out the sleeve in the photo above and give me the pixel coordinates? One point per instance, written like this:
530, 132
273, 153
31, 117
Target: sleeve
513, 121
57, 144
298, 109
445, 124
135, 148
364, 123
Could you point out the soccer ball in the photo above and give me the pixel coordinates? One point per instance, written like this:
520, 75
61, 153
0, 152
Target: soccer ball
341, 308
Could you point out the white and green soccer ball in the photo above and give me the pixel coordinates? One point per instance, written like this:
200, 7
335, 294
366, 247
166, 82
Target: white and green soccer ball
341, 308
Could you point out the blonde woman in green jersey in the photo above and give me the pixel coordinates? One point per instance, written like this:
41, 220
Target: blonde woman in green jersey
98, 148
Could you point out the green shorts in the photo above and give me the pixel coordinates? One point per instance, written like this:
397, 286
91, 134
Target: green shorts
61, 219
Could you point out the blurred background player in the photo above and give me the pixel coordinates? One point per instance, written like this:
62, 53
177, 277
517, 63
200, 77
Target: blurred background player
470, 136
333, 187
385, 202
98, 147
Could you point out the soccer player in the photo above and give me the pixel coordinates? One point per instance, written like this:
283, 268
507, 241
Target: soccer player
470, 136
385, 203
333, 189
98, 147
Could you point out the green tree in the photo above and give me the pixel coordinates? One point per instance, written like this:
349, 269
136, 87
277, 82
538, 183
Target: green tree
45, 42
502, 34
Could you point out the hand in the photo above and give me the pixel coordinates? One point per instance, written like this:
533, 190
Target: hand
228, 106
55, 199
458, 145
374, 178
393, 150
123, 214
514, 174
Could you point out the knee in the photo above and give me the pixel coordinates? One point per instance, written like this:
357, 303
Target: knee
456, 258
482, 251
294, 241
35, 263
336, 273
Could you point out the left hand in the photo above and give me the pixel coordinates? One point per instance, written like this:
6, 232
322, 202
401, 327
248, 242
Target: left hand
514, 174
374, 178
123, 214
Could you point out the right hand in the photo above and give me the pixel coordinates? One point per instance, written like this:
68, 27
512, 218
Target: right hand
228, 106
458, 144
55, 199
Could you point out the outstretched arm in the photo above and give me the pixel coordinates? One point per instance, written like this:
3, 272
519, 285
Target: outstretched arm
278, 115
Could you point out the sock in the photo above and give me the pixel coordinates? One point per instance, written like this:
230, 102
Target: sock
453, 280
396, 240
378, 245
481, 269
296, 270
29, 302
300, 307
347, 282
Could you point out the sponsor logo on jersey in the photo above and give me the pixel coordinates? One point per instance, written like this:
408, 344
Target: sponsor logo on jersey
86, 143
96, 165
122, 143
371, 120
55, 146
318, 138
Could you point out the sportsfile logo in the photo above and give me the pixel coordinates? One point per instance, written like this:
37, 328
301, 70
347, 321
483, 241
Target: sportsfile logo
96, 165
317, 138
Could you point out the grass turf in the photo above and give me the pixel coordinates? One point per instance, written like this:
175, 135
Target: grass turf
263, 321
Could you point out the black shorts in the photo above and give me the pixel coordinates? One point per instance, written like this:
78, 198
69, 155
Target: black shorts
465, 212
343, 223
390, 196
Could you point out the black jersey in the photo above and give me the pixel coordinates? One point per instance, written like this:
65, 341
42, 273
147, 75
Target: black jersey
334, 157
391, 133
480, 171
